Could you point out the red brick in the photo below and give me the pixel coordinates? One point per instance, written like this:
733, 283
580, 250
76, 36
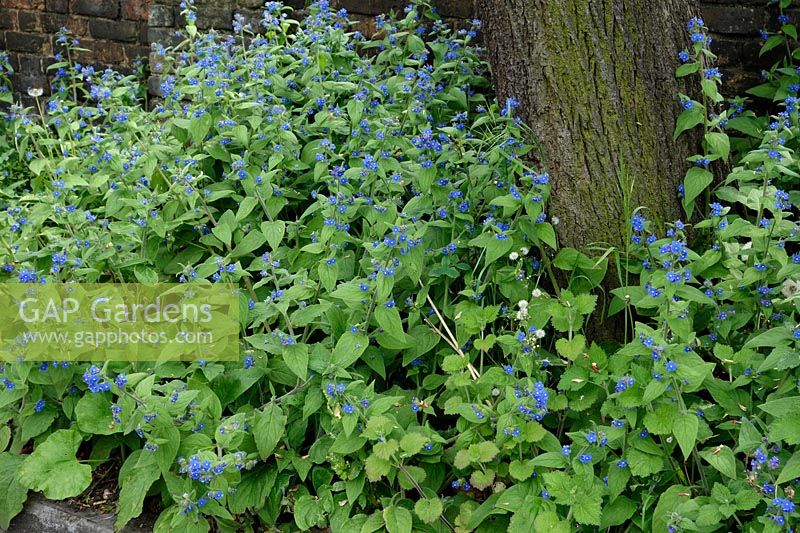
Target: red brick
57, 6
29, 21
98, 8
25, 42
27, 64
52, 22
102, 53
22, 4
78, 26
735, 20
8, 20
134, 52
136, 9
113, 30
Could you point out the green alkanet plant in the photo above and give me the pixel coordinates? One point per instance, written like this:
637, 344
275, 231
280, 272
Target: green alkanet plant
413, 350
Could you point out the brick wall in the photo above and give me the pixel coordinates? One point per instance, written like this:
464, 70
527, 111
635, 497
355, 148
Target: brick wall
116, 32
735, 25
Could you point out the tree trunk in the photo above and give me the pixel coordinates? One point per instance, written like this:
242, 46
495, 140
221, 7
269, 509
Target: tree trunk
596, 83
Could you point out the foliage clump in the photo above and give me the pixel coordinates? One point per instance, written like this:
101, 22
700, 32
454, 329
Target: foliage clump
409, 359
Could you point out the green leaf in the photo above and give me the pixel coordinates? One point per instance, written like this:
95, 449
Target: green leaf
252, 490
38, 165
35, 424
791, 470
308, 512
686, 69
483, 452
495, 248
524, 514
53, 469
644, 464
5, 436
618, 512
429, 509
462, 459
328, 274
134, 483
412, 443
781, 358
199, 127
373, 523
274, 232
168, 438
746, 125
269, 427
773, 42
93, 413
771, 338
482, 479
786, 428
14, 494
685, 430
719, 144
749, 436
550, 522
246, 207
781, 407
389, 319
225, 226
349, 349
696, 181
571, 349
397, 519
547, 234
376, 467
296, 358
721, 458
653, 390
709, 88
687, 120
659, 422
250, 242
587, 505
669, 502
521, 470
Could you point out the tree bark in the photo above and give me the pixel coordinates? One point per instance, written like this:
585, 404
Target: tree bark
596, 83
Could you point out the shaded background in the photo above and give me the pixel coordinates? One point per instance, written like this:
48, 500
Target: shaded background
117, 32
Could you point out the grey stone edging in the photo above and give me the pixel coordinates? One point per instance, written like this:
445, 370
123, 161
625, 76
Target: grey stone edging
45, 516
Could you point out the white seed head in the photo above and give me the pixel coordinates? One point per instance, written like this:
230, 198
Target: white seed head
540, 333
555, 220
35, 91
524, 250
790, 287
522, 304
513, 256
537, 293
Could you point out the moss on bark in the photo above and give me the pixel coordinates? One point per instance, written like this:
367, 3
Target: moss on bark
596, 82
